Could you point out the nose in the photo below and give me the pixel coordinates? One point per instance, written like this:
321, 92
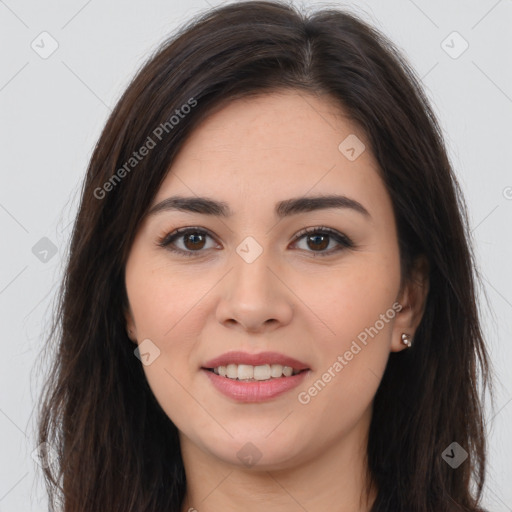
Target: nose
254, 298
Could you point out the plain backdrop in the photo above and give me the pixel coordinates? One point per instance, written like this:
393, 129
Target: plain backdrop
53, 106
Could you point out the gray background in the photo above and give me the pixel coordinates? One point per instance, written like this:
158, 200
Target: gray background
52, 111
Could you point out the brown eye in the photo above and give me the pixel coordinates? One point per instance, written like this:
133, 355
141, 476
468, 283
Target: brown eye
194, 241
186, 241
318, 242
319, 238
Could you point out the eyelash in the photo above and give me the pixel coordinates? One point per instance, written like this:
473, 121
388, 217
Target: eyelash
343, 240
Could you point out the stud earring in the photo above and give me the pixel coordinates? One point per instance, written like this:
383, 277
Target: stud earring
406, 339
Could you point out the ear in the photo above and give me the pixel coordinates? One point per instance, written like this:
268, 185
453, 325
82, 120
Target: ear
131, 330
413, 299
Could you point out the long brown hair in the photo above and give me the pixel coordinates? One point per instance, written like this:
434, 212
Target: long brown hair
117, 449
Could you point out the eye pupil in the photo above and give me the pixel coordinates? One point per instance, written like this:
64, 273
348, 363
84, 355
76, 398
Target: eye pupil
316, 237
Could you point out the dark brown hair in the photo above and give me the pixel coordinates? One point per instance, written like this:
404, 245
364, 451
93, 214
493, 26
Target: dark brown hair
118, 451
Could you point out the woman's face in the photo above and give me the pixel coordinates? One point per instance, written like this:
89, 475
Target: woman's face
251, 281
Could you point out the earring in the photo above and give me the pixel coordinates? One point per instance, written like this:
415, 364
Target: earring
406, 339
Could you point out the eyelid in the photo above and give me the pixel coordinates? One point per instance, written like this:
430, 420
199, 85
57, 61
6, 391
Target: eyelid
343, 241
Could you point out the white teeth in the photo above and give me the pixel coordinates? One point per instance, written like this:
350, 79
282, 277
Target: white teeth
287, 371
261, 372
246, 371
232, 371
276, 370
249, 372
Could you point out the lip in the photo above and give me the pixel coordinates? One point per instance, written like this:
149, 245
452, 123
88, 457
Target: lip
257, 391
237, 357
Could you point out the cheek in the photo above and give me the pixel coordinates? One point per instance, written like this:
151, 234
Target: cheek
356, 306
166, 321
168, 310
160, 298
353, 297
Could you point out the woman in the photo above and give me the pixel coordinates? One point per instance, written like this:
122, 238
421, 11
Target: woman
270, 297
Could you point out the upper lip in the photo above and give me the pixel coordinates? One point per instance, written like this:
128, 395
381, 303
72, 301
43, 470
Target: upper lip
237, 357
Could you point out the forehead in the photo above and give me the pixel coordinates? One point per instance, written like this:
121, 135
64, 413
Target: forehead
275, 145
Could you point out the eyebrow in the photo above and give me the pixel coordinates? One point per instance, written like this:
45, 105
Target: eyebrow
294, 206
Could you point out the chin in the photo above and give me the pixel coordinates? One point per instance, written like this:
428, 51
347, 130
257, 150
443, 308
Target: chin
256, 451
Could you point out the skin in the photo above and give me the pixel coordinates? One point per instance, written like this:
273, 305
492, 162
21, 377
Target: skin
252, 153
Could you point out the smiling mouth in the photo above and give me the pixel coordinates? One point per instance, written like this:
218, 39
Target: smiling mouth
249, 373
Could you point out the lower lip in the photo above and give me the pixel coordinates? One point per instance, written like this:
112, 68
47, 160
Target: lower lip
257, 391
